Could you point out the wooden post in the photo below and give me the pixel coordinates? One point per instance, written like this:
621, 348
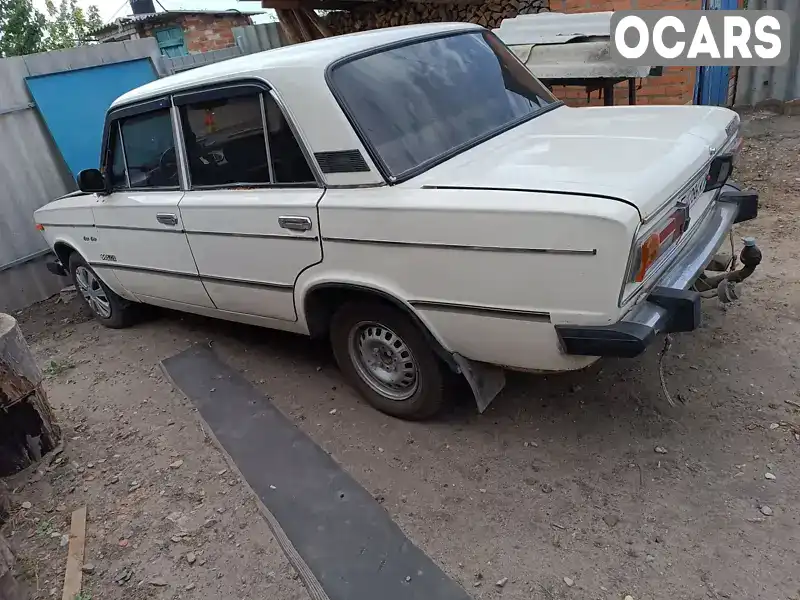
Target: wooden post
28, 429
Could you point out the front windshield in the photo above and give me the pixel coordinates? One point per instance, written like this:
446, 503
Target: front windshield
418, 102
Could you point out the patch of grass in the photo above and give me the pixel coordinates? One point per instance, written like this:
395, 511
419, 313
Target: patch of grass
83, 596
548, 592
44, 528
56, 367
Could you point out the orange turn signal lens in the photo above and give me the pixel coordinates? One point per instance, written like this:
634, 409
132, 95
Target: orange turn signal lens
39, 227
648, 255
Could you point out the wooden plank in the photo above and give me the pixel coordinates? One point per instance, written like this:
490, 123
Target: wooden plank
77, 543
317, 4
286, 19
302, 26
320, 25
281, 4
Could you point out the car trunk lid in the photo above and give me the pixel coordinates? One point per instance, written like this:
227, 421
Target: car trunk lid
640, 155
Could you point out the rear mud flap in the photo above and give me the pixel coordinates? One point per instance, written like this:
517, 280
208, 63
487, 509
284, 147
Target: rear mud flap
486, 381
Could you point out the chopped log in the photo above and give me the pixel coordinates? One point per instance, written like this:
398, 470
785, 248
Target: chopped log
28, 429
9, 589
375, 15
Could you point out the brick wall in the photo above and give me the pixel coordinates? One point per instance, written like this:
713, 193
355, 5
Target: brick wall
202, 33
675, 86
211, 32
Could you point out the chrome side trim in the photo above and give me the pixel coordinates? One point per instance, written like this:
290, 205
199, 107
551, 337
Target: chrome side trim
129, 228
183, 275
184, 177
124, 154
266, 236
123, 267
283, 287
265, 126
67, 224
486, 311
508, 249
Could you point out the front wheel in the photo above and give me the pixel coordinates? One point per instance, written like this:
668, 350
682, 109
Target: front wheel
385, 356
107, 307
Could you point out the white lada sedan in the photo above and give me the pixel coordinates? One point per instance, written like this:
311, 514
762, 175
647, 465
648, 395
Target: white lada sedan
415, 194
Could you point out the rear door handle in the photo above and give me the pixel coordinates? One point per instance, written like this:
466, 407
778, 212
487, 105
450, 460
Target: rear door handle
295, 223
167, 219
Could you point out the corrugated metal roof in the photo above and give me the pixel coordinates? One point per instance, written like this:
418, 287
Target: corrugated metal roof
587, 60
257, 38
554, 28
773, 85
561, 46
166, 15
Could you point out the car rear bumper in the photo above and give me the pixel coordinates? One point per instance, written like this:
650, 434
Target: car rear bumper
670, 307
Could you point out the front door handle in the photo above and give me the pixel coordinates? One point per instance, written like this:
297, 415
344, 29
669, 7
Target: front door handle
295, 223
167, 219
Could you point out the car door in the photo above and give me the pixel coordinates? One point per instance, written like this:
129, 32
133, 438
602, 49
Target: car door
139, 229
250, 213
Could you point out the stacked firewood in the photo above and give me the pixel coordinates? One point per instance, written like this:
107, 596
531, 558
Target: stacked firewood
488, 13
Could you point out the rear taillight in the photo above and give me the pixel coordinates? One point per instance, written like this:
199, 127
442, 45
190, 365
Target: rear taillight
735, 142
39, 227
655, 244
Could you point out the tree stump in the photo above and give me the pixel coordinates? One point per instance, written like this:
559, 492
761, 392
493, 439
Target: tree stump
28, 429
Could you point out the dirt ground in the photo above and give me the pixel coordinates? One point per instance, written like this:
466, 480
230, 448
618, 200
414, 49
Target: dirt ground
558, 487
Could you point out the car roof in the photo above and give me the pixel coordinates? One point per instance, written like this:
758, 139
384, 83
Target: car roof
317, 54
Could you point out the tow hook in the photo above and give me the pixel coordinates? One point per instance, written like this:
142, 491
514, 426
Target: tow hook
725, 284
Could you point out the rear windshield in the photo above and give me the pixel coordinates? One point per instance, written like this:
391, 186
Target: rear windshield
435, 97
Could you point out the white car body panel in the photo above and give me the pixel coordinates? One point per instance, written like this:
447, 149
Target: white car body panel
222, 224
490, 249
640, 154
127, 227
518, 261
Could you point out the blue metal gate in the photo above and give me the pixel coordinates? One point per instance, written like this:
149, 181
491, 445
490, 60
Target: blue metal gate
711, 83
73, 105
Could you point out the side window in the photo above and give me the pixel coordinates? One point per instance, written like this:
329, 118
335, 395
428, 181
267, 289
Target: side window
116, 173
225, 142
150, 150
287, 158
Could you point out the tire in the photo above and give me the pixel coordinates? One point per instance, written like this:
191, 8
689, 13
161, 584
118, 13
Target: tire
387, 336
107, 307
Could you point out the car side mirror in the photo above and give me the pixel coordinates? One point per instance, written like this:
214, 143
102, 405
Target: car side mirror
91, 181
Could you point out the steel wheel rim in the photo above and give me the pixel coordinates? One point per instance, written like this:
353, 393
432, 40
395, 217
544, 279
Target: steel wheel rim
384, 361
94, 294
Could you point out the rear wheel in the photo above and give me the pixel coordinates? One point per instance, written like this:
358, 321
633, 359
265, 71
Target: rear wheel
106, 306
387, 359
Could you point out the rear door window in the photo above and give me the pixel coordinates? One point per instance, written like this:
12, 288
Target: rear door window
241, 141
